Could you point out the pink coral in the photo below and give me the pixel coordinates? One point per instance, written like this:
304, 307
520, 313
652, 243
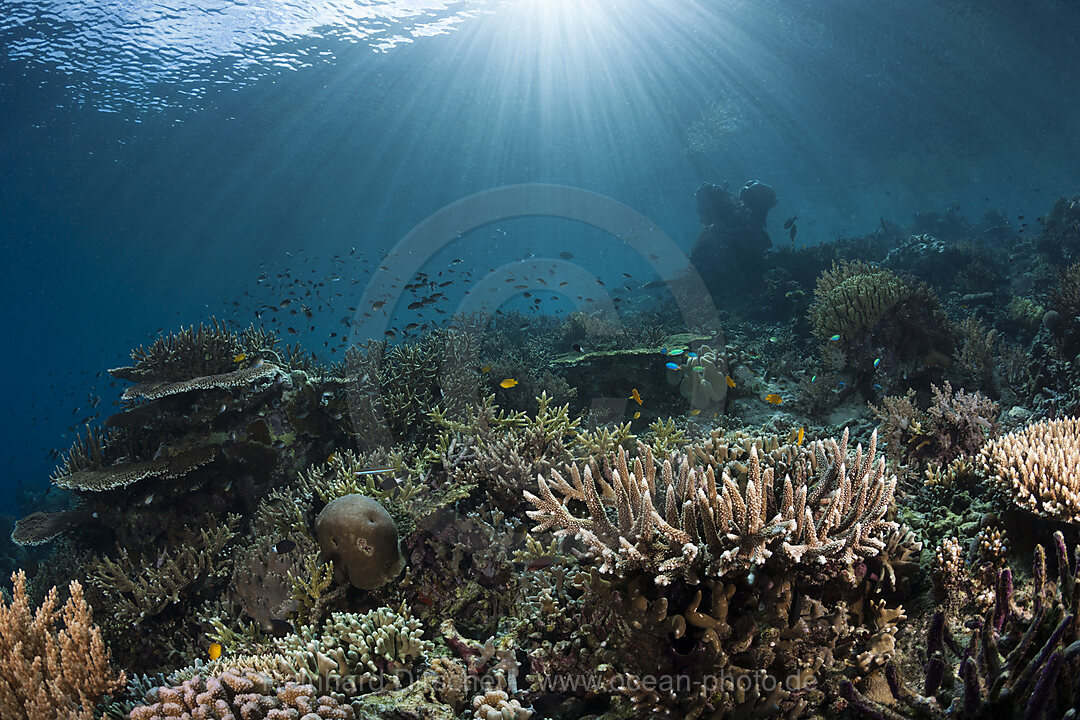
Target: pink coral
240, 694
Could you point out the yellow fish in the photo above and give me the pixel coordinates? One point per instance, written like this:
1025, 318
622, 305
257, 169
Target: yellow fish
774, 399
486, 369
695, 411
635, 396
332, 458
215, 651
730, 382
802, 434
637, 414
239, 357
508, 383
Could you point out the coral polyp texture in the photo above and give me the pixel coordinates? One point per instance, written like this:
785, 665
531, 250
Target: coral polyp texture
854, 296
1038, 467
807, 507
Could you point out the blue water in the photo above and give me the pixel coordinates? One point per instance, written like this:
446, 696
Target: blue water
157, 158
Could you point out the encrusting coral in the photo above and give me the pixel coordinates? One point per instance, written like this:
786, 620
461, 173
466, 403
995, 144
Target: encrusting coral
47, 672
1038, 467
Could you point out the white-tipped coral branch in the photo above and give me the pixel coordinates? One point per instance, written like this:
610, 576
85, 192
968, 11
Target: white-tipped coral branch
829, 510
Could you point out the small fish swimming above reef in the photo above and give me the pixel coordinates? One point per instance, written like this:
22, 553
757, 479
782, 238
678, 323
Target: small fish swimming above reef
508, 383
730, 382
215, 651
671, 366
773, 399
239, 357
635, 396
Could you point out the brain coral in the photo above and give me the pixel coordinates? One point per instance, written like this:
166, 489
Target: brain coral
359, 536
853, 296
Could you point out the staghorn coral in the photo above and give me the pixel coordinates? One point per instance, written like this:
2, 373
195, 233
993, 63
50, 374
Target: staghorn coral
47, 671
503, 452
1024, 312
832, 510
196, 352
235, 693
977, 348
142, 586
1038, 467
393, 390
853, 296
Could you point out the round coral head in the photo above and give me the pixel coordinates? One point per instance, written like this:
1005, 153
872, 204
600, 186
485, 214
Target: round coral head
359, 536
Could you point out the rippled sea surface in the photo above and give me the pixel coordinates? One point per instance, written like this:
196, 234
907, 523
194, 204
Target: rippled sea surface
117, 51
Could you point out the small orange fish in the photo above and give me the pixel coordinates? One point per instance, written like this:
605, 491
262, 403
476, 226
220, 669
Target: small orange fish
486, 369
215, 651
239, 357
695, 411
730, 382
802, 434
635, 396
331, 458
508, 383
637, 414
774, 399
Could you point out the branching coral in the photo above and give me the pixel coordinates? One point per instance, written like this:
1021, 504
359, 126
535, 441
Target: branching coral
196, 352
392, 390
142, 586
1039, 468
956, 424
832, 510
47, 671
353, 650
